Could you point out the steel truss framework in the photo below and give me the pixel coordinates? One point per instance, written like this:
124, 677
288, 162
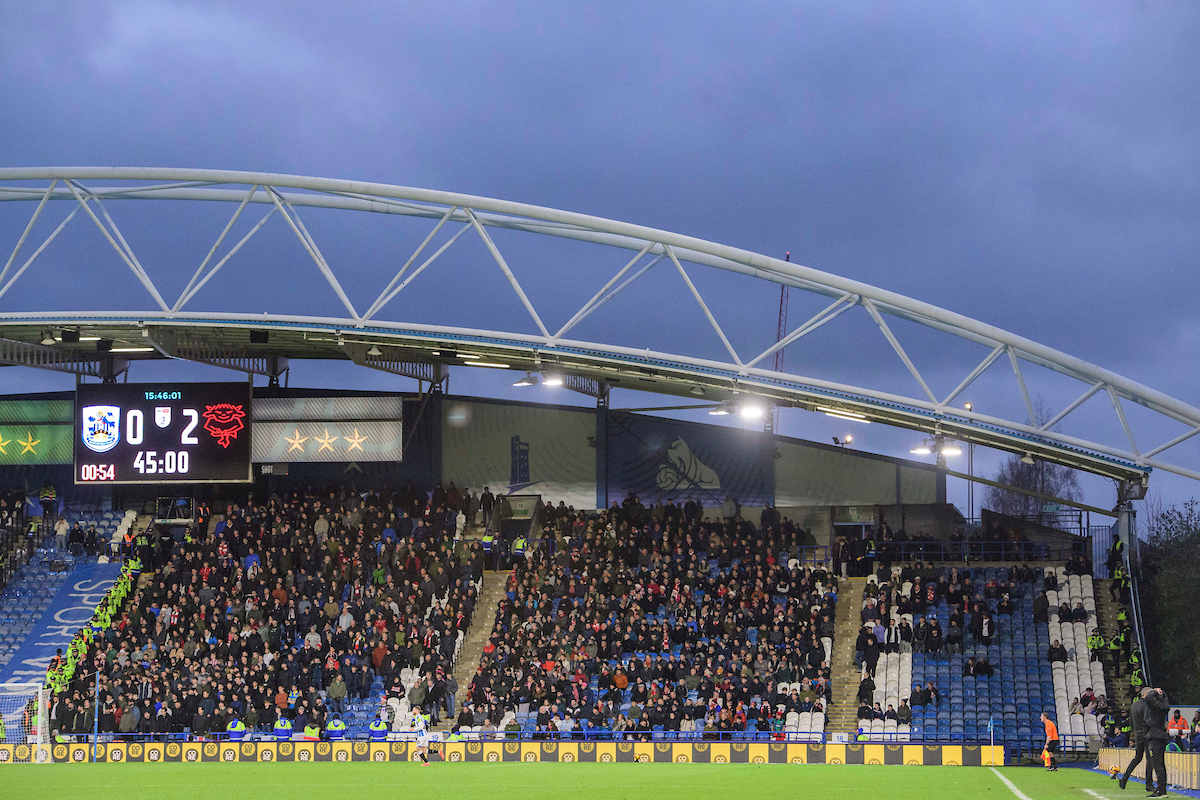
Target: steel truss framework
27, 354
415, 355
199, 349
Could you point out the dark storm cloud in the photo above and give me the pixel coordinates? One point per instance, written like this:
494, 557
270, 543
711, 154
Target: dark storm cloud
1030, 165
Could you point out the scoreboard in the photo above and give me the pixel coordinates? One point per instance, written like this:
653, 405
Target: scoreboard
162, 433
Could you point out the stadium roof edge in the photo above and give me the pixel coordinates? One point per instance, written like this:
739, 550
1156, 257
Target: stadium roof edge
642, 369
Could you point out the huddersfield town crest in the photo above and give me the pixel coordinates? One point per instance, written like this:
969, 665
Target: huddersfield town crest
101, 427
162, 416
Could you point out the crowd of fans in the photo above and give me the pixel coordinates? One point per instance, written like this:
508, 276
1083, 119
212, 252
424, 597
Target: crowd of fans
1185, 735
634, 620
639, 620
285, 608
12, 507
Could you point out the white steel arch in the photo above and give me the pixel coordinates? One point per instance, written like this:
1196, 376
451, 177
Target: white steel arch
284, 195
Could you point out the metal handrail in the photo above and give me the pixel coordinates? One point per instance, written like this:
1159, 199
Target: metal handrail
812, 555
967, 551
1133, 567
1029, 743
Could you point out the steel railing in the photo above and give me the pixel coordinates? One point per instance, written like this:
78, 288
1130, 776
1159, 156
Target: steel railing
1026, 744
1133, 568
968, 551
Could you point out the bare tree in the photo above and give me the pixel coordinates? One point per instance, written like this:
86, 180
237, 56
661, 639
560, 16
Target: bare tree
1153, 510
1042, 477
1170, 573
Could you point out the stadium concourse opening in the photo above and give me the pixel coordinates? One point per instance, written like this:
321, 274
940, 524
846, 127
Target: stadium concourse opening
459, 579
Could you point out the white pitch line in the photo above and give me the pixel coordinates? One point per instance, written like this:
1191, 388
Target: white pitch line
1011, 786
1096, 794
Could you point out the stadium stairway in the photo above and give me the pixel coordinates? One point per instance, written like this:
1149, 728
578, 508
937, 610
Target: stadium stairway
483, 621
843, 706
1106, 612
141, 525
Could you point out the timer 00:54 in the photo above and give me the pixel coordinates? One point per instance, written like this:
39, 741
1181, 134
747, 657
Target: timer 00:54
97, 472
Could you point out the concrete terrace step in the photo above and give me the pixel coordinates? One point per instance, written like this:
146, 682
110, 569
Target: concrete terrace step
843, 708
482, 623
1106, 613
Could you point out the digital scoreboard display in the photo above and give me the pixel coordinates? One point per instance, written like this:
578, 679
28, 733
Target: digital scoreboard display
162, 433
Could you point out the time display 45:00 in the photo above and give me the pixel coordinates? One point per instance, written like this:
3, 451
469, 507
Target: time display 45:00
149, 462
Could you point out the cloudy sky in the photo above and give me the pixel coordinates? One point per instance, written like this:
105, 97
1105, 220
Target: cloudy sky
1032, 166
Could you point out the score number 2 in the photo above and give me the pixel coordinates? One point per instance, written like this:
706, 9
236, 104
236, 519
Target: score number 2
135, 427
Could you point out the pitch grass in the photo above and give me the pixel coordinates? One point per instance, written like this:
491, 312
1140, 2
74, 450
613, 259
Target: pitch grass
519, 781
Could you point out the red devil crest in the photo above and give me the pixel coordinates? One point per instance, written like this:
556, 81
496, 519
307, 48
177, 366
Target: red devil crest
223, 421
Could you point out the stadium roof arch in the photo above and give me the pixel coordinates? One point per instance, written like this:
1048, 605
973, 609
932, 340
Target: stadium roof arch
181, 329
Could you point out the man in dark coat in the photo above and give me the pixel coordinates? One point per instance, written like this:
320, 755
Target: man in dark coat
1137, 721
1157, 737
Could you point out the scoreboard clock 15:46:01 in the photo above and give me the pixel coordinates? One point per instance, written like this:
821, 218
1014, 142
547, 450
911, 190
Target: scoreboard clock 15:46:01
162, 433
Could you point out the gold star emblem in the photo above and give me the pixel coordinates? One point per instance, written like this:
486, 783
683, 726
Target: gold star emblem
355, 441
4, 443
296, 441
326, 442
28, 443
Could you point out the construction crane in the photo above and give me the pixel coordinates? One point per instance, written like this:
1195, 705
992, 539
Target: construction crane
781, 332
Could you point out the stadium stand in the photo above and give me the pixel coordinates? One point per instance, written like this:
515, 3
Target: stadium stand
978, 660
612, 625
55, 552
14, 539
24, 601
298, 607
1012, 697
664, 629
1112, 616
1080, 673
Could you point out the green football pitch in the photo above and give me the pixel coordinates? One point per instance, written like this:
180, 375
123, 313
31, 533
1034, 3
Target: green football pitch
520, 781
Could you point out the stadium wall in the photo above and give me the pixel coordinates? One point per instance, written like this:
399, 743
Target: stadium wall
585, 457
934, 519
560, 752
818, 521
517, 448
812, 474
1183, 769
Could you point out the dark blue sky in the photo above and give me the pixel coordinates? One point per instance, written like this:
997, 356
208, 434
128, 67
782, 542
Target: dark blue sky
1032, 166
